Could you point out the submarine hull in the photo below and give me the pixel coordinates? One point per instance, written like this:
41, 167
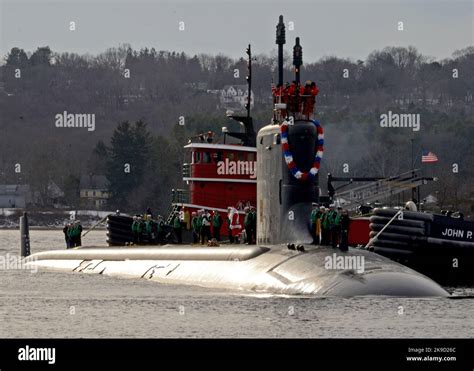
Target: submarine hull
269, 269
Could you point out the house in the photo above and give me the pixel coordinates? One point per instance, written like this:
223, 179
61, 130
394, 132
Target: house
94, 190
234, 97
14, 195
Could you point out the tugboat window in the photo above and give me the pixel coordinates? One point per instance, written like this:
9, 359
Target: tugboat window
218, 156
197, 157
206, 157
230, 156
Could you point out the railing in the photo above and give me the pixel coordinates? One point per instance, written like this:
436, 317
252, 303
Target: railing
179, 196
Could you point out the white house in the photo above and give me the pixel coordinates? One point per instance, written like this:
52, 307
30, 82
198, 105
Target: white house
235, 97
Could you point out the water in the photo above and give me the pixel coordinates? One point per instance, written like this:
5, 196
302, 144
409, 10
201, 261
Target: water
46, 304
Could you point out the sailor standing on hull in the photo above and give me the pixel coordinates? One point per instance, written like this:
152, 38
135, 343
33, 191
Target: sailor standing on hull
195, 227
205, 227
315, 223
216, 225
178, 228
325, 227
344, 240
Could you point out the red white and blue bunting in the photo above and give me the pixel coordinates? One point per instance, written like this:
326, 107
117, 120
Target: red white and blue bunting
297, 173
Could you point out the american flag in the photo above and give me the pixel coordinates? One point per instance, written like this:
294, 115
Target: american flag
428, 156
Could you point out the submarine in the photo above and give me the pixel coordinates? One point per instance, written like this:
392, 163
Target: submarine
283, 261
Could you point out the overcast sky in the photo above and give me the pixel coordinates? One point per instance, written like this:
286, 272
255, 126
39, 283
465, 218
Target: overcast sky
350, 28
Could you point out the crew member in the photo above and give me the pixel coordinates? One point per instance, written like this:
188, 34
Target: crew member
194, 224
294, 97
177, 227
315, 222
253, 211
333, 225
148, 228
229, 223
310, 92
137, 229
205, 227
160, 227
149, 212
186, 218
345, 221
74, 234
66, 236
248, 223
325, 227
216, 225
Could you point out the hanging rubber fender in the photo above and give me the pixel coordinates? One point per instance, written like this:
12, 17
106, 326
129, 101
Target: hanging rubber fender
128, 237
398, 237
119, 229
391, 251
404, 222
113, 242
119, 224
397, 229
119, 239
393, 244
413, 215
120, 218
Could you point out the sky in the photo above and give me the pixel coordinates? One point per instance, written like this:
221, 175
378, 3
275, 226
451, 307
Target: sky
348, 29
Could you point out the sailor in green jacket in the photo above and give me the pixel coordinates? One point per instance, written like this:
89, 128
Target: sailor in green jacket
253, 211
74, 234
248, 222
334, 223
205, 227
315, 223
137, 227
325, 226
177, 228
195, 227
216, 225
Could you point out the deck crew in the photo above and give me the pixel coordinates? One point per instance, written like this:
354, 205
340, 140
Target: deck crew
195, 227
74, 234
137, 229
216, 225
325, 227
253, 211
344, 238
148, 228
229, 223
177, 227
315, 223
160, 229
310, 92
186, 218
205, 227
248, 223
66, 236
333, 218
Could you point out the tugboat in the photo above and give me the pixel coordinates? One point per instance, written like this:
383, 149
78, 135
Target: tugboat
218, 176
283, 261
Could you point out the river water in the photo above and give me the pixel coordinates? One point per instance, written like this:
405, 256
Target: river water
46, 304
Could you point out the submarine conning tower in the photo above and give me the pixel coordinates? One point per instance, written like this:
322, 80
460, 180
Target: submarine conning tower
288, 154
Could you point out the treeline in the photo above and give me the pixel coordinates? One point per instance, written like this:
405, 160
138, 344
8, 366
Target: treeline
159, 87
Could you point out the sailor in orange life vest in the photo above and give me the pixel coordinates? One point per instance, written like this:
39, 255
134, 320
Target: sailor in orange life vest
235, 228
310, 92
295, 102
